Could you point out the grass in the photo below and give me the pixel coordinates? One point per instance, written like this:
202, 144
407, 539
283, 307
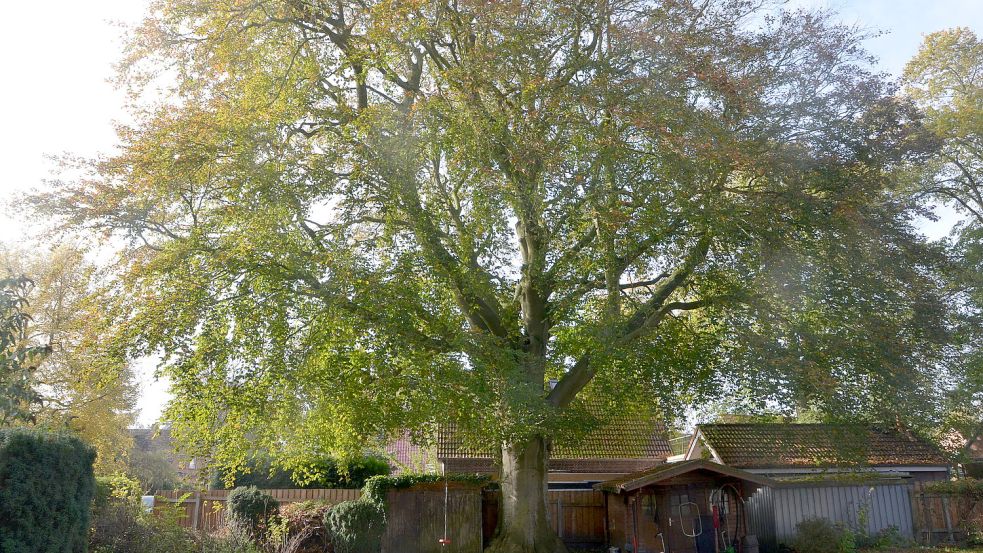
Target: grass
937, 549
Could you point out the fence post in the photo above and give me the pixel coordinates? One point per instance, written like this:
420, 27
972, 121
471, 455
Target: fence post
930, 526
948, 519
559, 518
915, 518
196, 516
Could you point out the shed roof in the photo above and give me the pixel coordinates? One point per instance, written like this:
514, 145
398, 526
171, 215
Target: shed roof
623, 437
781, 445
661, 473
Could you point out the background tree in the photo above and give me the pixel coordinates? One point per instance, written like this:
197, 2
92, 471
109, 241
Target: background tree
82, 383
348, 220
18, 356
945, 79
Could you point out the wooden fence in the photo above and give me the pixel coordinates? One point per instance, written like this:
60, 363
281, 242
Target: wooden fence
205, 510
577, 515
943, 518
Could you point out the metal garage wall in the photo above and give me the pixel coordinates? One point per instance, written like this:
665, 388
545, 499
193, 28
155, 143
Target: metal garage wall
760, 509
774, 513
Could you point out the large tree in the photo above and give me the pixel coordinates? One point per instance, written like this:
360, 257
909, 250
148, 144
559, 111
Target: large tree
349, 219
945, 80
81, 382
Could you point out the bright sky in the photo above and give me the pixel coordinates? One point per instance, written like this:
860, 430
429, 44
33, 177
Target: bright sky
58, 55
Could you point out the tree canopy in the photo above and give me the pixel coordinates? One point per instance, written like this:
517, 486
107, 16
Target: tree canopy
81, 382
383, 216
945, 79
350, 219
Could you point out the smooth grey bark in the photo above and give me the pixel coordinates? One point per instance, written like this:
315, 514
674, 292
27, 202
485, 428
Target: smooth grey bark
524, 524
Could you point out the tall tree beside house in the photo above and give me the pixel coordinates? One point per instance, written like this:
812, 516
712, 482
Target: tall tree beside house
346, 220
82, 382
945, 79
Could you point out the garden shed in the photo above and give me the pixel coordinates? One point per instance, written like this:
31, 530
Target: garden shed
695, 506
866, 507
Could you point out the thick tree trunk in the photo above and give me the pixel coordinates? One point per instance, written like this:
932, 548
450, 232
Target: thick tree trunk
524, 525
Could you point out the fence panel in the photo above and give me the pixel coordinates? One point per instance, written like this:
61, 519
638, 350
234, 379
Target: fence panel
944, 518
206, 510
415, 520
577, 516
416, 516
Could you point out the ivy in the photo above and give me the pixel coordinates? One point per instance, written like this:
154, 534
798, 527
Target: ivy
376, 487
964, 487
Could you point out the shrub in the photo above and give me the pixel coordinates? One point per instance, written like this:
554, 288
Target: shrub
250, 511
117, 487
376, 487
46, 489
819, 535
888, 538
122, 527
356, 526
301, 528
970, 488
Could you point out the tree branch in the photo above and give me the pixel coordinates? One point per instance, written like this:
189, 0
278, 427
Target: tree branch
646, 318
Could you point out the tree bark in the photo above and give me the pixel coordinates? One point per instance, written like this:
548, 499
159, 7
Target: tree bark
524, 524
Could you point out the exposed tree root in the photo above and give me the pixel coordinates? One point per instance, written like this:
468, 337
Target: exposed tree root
545, 542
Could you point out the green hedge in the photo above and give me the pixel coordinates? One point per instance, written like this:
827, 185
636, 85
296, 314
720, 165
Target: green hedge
46, 487
376, 487
250, 511
356, 526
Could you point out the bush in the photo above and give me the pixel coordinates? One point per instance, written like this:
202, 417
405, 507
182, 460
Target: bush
301, 528
888, 538
122, 527
114, 488
356, 526
250, 510
970, 488
376, 487
819, 535
46, 489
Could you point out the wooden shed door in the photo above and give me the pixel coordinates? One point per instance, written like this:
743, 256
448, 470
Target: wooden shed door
681, 519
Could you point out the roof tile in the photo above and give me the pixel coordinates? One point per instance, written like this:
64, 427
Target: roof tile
777, 445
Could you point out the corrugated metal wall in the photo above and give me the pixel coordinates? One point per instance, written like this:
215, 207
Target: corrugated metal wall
879, 506
760, 511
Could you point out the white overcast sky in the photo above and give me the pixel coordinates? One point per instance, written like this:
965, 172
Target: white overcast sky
57, 56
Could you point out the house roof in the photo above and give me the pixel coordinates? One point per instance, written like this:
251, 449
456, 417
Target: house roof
403, 451
623, 437
152, 439
779, 445
661, 473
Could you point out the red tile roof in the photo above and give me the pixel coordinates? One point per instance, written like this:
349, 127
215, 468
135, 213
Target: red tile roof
777, 445
624, 437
